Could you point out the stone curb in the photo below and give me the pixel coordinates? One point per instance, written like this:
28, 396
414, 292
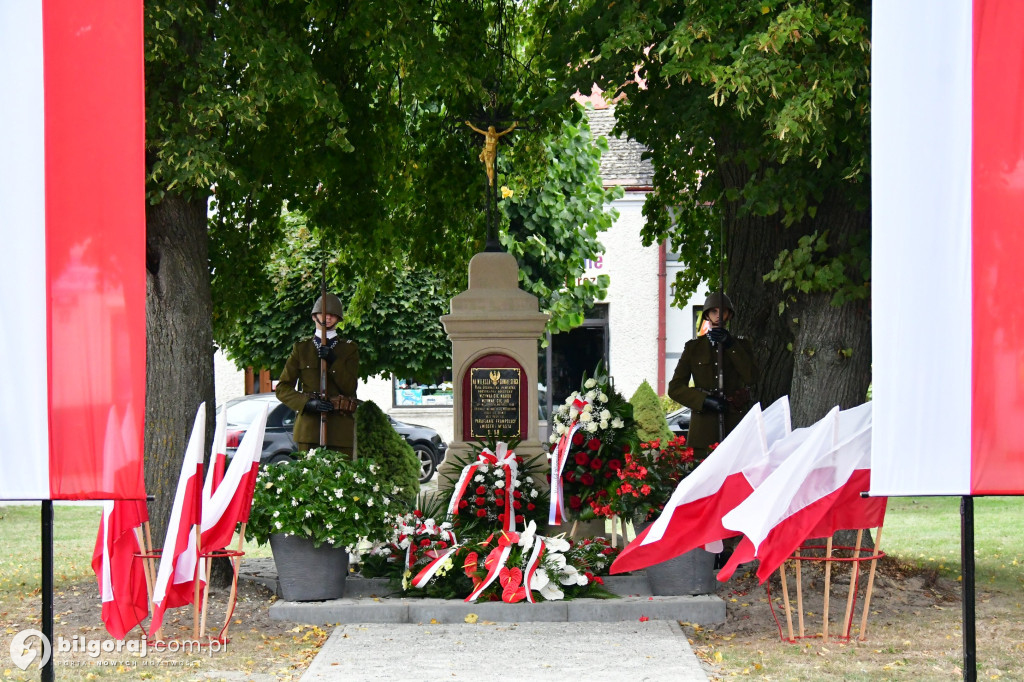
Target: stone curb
703, 609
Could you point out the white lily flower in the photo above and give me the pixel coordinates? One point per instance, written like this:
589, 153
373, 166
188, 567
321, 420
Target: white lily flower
540, 579
551, 592
569, 575
527, 535
617, 423
556, 544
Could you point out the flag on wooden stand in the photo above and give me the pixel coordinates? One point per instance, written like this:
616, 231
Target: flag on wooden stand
693, 515
176, 576
122, 577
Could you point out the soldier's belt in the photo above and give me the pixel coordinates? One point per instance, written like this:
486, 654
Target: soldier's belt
343, 403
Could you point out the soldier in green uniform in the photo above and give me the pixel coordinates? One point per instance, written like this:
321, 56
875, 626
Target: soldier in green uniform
700, 361
299, 384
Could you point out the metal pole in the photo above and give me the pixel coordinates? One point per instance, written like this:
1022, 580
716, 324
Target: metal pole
47, 673
967, 569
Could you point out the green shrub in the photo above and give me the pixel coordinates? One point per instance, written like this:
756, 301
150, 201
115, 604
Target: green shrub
377, 441
650, 418
668, 406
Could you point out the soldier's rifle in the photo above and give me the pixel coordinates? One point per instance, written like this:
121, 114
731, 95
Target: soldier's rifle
322, 320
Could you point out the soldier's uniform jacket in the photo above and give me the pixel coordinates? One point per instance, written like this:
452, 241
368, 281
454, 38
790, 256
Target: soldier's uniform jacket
301, 379
700, 360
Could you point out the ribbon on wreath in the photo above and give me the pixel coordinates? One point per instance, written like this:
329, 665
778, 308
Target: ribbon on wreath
556, 515
495, 561
532, 564
438, 559
501, 457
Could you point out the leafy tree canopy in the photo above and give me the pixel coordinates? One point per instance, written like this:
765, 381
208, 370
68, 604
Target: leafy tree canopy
754, 107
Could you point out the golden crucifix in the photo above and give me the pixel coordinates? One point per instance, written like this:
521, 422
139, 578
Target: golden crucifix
490, 150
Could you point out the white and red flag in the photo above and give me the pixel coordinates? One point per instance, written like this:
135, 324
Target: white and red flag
121, 577
72, 221
693, 515
175, 579
218, 457
229, 504
947, 163
814, 493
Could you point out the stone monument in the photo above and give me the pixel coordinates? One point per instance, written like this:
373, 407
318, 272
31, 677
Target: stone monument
494, 327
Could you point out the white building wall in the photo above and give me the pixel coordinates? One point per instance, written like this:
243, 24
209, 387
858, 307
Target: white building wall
632, 298
228, 381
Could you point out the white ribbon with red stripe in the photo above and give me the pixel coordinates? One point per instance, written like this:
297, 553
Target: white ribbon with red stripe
531, 566
556, 514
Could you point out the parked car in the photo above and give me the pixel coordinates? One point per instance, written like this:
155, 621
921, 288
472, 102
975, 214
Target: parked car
679, 421
278, 444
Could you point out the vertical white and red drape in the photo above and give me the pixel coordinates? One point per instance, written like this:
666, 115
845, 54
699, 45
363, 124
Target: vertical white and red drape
947, 246
72, 222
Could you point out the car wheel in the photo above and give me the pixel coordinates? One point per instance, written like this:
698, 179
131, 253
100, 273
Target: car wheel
280, 458
426, 458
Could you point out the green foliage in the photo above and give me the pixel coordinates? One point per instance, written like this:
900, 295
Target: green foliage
554, 218
668, 406
325, 497
757, 107
649, 416
810, 268
377, 442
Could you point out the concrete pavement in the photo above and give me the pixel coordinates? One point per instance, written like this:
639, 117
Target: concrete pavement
595, 652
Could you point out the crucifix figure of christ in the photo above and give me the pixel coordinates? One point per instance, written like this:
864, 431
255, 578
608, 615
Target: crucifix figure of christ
490, 151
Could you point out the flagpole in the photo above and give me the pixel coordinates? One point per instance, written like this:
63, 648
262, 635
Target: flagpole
47, 673
854, 573
871, 585
828, 587
237, 564
195, 579
967, 571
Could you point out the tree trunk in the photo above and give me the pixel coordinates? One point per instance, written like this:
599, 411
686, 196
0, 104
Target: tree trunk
179, 344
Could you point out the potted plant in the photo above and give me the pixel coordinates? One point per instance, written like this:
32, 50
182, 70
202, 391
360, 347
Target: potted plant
642, 487
314, 511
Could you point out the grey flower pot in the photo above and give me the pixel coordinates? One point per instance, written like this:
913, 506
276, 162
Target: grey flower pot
308, 573
689, 573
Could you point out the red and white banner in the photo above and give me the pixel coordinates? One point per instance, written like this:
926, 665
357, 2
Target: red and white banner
73, 226
947, 132
121, 577
175, 578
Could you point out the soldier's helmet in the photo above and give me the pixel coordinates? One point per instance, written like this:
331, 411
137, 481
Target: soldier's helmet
717, 300
334, 306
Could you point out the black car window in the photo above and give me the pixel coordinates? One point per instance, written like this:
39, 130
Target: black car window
244, 411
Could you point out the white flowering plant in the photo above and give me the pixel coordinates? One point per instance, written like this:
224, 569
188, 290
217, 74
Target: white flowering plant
599, 427
325, 497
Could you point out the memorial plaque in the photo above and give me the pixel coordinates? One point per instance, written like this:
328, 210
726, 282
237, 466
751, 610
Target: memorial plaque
495, 401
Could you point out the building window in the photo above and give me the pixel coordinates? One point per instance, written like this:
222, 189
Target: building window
410, 393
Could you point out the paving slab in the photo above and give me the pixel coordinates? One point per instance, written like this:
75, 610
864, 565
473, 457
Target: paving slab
596, 652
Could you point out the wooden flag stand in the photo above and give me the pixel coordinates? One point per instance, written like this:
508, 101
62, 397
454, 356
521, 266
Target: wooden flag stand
235, 555
855, 558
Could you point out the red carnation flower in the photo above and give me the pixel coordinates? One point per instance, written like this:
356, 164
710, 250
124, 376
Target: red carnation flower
520, 518
417, 513
594, 443
575, 502
530, 506
614, 464
463, 504
481, 513
517, 505
499, 492
480, 490
425, 542
519, 460
569, 476
596, 464
481, 501
516, 494
587, 479
577, 438
582, 459
501, 517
